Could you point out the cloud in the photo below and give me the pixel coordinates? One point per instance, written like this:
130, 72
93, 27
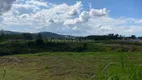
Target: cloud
138, 22
99, 12
86, 15
5, 5
1, 19
37, 3
75, 9
73, 12
51, 21
83, 17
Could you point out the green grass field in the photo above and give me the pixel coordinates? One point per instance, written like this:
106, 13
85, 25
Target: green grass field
73, 66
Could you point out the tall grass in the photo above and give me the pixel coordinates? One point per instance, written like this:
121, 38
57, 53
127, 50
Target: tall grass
4, 73
121, 55
121, 71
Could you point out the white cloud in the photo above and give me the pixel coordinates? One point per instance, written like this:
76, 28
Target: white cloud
75, 9
86, 15
138, 22
73, 12
83, 17
37, 3
99, 13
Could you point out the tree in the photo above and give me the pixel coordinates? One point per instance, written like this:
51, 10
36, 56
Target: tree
116, 36
2, 36
27, 36
133, 37
39, 40
111, 36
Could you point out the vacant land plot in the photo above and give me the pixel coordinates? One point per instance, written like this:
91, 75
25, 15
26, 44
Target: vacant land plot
72, 66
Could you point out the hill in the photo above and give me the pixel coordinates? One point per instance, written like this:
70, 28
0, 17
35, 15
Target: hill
50, 35
45, 35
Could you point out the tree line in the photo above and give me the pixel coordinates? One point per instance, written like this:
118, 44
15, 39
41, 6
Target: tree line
109, 37
31, 43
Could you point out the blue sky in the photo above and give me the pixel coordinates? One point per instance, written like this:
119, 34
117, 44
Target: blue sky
126, 8
72, 17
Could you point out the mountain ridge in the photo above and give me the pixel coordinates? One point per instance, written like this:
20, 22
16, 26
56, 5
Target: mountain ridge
43, 34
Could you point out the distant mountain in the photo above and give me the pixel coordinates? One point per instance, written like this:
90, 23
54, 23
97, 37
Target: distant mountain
50, 35
43, 34
8, 32
54, 35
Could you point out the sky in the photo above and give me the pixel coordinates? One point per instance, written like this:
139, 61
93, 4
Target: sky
72, 17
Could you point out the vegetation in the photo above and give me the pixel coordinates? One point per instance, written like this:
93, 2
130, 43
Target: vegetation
34, 46
26, 56
73, 66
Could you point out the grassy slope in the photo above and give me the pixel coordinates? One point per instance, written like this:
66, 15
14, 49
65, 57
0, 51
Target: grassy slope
72, 66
